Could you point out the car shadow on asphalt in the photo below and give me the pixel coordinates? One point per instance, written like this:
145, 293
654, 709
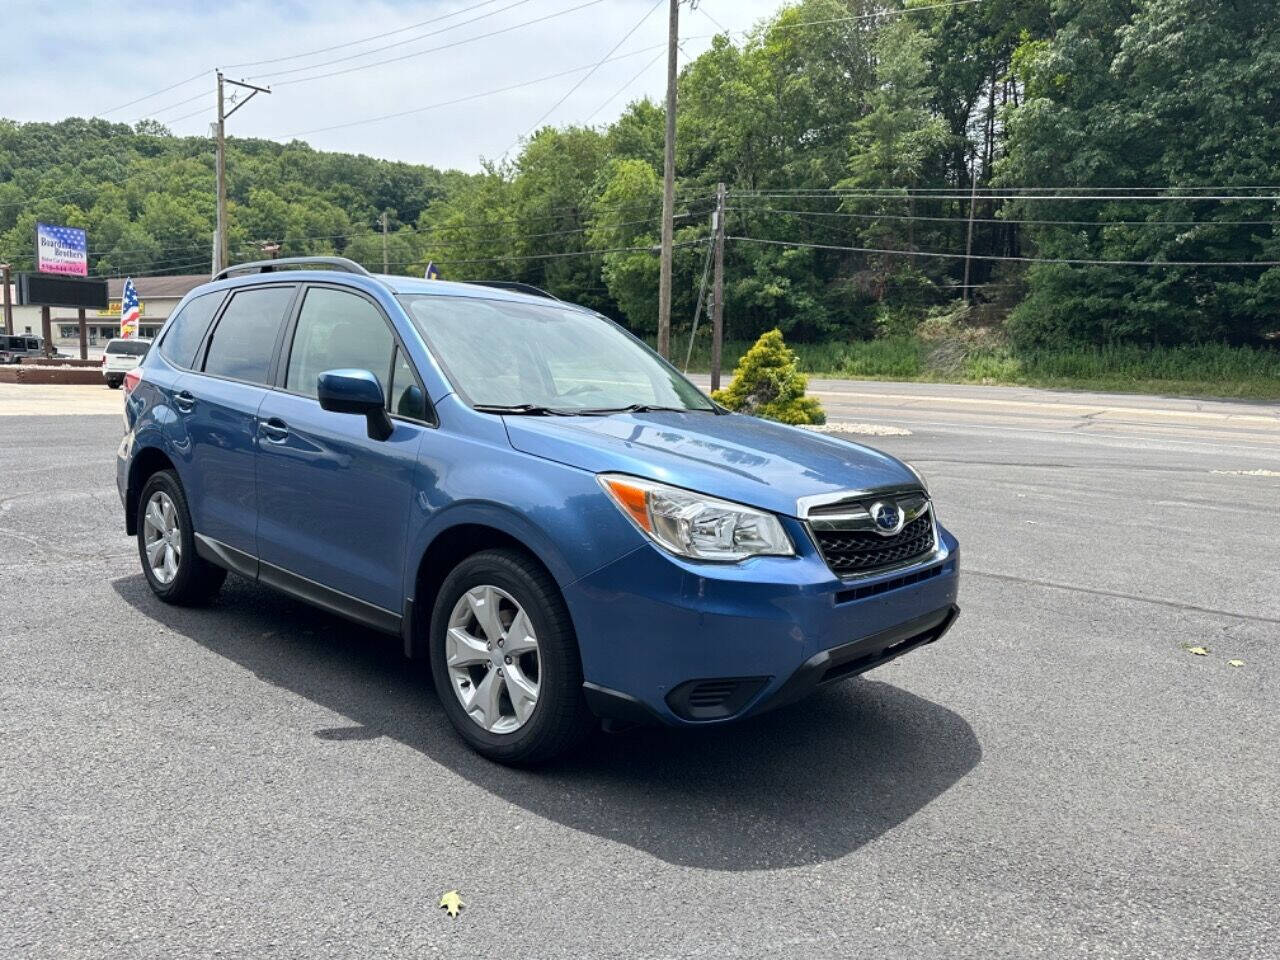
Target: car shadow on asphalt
804, 784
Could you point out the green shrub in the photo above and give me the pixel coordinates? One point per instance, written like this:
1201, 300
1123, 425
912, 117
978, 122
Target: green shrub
768, 384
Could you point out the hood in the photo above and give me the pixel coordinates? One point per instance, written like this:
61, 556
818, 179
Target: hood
756, 462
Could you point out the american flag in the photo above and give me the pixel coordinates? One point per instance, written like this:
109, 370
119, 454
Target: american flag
130, 310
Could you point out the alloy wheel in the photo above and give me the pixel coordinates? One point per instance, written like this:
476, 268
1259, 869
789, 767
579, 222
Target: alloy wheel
162, 537
492, 654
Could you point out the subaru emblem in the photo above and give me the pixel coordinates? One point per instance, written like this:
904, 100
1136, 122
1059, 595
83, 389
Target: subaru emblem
887, 517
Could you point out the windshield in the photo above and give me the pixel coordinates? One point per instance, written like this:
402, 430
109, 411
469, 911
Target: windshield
551, 358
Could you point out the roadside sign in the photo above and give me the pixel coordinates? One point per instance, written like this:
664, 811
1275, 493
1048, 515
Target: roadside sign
61, 250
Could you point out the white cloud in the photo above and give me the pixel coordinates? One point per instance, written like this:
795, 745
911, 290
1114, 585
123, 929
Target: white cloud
80, 59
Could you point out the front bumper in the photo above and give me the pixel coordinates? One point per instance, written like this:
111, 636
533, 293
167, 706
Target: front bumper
690, 644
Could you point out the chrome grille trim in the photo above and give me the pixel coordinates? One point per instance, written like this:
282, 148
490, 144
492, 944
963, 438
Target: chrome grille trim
848, 512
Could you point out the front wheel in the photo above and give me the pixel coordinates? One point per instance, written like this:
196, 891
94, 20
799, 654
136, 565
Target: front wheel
167, 545
505, 661
114, 383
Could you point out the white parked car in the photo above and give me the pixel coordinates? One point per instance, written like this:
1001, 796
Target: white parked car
121, 356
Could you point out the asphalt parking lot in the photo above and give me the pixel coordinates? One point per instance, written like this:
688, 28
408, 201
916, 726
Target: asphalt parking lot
1059, 777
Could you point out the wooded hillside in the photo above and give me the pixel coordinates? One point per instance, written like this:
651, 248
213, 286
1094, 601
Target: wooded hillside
863, 154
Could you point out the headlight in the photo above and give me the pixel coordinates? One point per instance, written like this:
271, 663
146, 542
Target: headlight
695, 525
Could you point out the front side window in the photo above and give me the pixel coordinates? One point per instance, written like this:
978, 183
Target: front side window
510, 354
188, 328
337, 330
245, 338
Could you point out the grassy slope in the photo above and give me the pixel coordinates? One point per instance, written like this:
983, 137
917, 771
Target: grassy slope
1203, 371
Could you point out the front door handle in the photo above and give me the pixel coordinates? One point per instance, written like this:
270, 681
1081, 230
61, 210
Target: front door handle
275, 430
184, 401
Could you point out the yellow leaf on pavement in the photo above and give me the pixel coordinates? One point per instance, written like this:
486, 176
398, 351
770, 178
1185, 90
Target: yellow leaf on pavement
1235, 663
1199, 651
452, 903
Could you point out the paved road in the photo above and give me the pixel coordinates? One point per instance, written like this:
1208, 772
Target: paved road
1059, 777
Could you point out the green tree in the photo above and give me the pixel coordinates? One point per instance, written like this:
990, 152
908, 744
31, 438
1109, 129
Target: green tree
1158, 93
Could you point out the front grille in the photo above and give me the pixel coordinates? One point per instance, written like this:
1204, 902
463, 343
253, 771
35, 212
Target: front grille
861, 551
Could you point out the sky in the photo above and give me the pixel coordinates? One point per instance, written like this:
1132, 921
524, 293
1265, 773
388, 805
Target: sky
91, 58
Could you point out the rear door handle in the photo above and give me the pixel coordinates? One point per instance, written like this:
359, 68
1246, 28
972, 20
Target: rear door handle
184, 401
275, 429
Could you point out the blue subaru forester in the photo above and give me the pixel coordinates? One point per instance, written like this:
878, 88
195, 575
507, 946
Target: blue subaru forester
525, 494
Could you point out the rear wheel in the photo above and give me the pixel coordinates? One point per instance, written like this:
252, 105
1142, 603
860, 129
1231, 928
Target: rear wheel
167, 547
504, 659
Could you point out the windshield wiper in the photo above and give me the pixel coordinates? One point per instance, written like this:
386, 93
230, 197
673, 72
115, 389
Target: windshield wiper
525, 409
646, 408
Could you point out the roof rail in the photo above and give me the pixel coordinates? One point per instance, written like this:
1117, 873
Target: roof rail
269, 266
514, 285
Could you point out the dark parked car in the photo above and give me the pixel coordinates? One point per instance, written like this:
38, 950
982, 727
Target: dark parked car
14, 347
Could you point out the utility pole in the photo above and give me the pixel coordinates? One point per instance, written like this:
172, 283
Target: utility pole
8, 299
968, 245
220, 171
717, 292
386, 266
668, 187
220, 134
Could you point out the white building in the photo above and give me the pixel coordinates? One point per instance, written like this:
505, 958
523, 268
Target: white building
157, 296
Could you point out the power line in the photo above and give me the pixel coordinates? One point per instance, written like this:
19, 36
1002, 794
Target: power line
617, 93
955, 194
465, 99
389, 46
867, 16
589, 74
553, 256
984, 256
1016, 188
171, 122
31, 200
172, 86
1012, 220
702, 9
164, 266
352, 43
445, 46
420, 234
181, 103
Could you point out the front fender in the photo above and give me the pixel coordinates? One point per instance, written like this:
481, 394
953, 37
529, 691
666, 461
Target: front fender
558, 512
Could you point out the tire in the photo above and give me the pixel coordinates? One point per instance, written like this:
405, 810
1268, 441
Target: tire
114, 384
193, 580
559, 719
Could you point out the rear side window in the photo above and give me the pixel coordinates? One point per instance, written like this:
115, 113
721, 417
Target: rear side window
188, 328
245, 337
337, 330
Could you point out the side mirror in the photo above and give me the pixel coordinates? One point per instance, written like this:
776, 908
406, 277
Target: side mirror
358, 392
